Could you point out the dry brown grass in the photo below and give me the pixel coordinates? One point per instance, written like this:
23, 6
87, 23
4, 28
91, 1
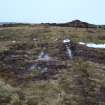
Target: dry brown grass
80, 84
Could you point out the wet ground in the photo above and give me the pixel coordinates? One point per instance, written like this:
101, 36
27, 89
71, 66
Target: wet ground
16, 62
92, 54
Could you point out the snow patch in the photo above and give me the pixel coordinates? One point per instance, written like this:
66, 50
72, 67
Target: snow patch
93, 45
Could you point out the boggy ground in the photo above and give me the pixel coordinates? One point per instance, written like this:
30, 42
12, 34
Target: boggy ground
82, 83
16, 62
79, 82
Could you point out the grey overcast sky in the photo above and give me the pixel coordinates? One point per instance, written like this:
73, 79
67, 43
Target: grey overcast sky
43, 11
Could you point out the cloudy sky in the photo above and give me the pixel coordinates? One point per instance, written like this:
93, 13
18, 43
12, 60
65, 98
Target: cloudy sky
42, 11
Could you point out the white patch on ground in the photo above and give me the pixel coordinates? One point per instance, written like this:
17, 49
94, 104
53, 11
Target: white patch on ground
44, 57
66, 40
69, 52
34, 39
93, 45
55, 39
14, 41
82, 43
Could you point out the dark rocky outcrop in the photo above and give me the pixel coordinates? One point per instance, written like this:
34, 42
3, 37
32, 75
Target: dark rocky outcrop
74, 23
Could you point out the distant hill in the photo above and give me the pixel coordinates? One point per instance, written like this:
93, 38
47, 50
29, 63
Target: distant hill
77, 23
1, 23
74, 23
12, 24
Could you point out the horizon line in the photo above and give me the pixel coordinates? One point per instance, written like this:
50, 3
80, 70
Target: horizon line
30, 22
